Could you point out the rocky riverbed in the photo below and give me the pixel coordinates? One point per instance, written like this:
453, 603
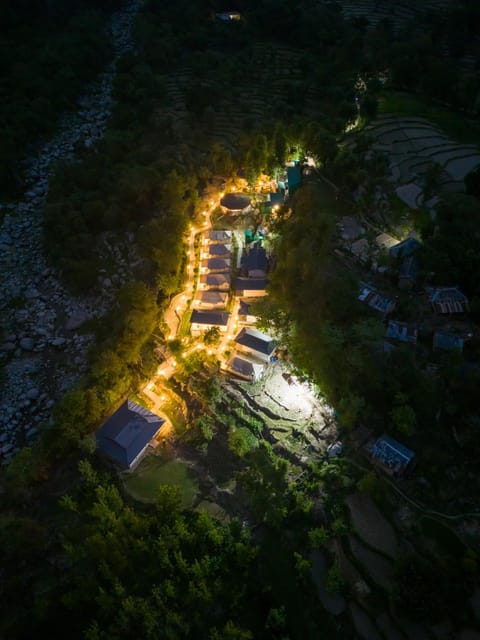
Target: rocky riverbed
42, 345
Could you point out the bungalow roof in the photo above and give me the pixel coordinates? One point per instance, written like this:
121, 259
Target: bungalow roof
376, 300
127, 432
447, 342
405, 248
402, 331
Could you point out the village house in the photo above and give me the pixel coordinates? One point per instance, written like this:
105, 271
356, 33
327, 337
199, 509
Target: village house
125, 436
391, 456
255, 343
204, 320
235, 203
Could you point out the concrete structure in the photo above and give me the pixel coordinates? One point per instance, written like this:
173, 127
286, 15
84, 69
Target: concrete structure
126, 435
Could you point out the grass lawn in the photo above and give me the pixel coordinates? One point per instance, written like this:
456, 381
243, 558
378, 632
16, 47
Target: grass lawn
143, 483
456, 125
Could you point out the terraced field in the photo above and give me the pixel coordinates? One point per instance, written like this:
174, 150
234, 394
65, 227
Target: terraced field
259, 84
413, 147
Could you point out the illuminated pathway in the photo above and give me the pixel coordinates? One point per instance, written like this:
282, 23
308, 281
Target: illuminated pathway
172, 317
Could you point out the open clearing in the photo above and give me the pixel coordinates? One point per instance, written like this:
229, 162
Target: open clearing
144, 482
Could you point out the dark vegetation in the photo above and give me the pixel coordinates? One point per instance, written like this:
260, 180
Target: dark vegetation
48, 51
78, 557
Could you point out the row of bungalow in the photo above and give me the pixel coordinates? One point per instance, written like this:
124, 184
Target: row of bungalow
213, 293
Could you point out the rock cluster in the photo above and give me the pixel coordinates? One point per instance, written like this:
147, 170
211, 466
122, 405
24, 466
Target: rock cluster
42, 346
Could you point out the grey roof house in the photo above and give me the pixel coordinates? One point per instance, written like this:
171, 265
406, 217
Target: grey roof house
253, 340
127, 433
402, 331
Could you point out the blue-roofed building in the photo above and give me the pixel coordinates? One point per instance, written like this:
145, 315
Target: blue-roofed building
294, 178
447, 342
126, 435
405, 248
391, 456
254, 262
235, 203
